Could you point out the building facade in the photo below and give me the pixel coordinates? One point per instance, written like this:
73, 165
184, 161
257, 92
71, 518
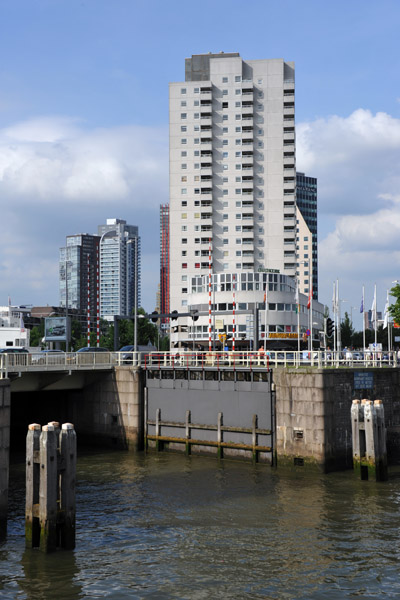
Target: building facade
119, 268
306, 200
78, 274
232, 189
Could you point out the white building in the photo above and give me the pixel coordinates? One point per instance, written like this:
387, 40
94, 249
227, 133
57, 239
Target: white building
13, 332
233, 186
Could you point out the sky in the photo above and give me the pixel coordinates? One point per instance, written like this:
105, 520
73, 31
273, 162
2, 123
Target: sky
84, 126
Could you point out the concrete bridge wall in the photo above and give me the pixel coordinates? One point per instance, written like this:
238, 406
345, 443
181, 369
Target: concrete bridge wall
4, 452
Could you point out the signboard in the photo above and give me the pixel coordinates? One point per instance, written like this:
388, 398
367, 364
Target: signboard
55, 329
363, 380
219, 324
262, 270
397, 338
283, 336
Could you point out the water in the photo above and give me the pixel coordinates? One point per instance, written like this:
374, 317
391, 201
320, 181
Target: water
167, 527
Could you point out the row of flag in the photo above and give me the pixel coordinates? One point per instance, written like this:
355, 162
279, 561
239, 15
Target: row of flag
386, 313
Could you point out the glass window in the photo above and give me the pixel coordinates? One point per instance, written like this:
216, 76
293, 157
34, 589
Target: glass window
183, 115
183, 166
196, 90
183, 102
183, 141
238, 78
183, 90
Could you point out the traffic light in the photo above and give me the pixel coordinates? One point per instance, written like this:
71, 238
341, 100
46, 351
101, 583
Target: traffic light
154, 317
195, 314
175, 315
330, 327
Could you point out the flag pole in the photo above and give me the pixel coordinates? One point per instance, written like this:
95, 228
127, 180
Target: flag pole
375, 320
265, 314
334, 316
363, 318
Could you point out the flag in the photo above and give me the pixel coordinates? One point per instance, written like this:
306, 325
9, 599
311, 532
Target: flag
309, 299
21, 323
362, 305
265, 295
386, 314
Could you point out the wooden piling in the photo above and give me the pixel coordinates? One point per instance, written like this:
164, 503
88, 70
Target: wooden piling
220, 450
67, 486
254, 438
32, 529
50, 487
369, 440
187, 432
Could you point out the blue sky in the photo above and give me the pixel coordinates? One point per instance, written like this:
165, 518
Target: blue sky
84, 125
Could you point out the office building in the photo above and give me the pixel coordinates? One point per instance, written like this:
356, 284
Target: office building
119, 268
78, 270
233, 198
307, 241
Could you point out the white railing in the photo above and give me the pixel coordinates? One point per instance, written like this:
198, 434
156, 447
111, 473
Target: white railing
73, 361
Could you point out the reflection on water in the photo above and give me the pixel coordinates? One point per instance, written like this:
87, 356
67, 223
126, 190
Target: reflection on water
168, 527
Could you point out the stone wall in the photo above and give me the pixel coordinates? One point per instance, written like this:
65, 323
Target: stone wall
313, 414
4, 452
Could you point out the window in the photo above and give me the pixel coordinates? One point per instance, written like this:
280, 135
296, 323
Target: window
183, 141
183, 102
184, 240
238, 179
238, 204
197, 227
225, 266
184, 228
224, 130
184, 252
238, 142
197, 190
225, 167
196, 103
183, 128
224, 80
224, 92
196, 128
306, 247
184, 203
225, 229
238, 104
196, 153
183, 90
183, 153
225, 117
197, 165
239, 266
184, 178
184, 278
197, 215
184, 290
238, 253
197, 265
225, 105
196, 178
238, 129
238, 216
238, 167
226, 253
196, 115
183, 115
184, 216
238, 117
259, 81
225, 204
238, 78
184, 265
259, 106
224, 142
183, 166
225, 192
184, 303
197, 240
196, 140
225, 241
197, 252
184, 191
224, 180
238, 92
238, 154
238, 191
197, 202
225, 217
224, 155
196, 90
238, 241
238, 228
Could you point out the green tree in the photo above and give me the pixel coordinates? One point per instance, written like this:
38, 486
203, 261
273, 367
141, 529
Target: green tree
36, 335
346, 331
394, 309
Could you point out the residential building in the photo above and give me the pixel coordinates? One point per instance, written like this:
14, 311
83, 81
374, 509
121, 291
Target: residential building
78, 275
164, 263
13, 332
233, 197
306, 200
119, 268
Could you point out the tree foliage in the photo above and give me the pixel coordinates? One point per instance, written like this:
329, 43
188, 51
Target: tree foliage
346, 331
394, 309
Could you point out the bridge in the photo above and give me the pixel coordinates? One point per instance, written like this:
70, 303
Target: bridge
68, 362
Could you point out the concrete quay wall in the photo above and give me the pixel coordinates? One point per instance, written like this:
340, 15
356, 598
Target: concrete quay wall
5, 396
109, 412
313, 414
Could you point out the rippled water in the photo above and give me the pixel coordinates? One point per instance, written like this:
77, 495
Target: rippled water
167, 526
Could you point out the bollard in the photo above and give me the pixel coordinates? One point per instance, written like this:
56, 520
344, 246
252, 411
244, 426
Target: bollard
369, 439
50, 487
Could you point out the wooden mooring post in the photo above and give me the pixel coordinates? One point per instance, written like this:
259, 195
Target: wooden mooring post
369, 439
50, 486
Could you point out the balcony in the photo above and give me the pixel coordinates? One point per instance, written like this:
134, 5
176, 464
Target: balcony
288, 136
248, 217
247, 104
248, 118
206, 153
289, 170
248, 243
206, 240
206, 178
247, 128
288, 111
248, 229
247, 191
206, 89
248, 253
205, 128
247, 153
205, 203
206, 143
247, 144
204, 102
248, 265
247, 178
206, 170
205, 227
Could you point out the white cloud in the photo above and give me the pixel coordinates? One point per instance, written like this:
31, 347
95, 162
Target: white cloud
58, 178
356, 160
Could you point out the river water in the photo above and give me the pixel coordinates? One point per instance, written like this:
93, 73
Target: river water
168, 526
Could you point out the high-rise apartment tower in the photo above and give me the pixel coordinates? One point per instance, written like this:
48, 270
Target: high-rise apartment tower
232, 183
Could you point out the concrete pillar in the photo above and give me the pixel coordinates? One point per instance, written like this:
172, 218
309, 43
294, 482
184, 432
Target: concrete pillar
369, 439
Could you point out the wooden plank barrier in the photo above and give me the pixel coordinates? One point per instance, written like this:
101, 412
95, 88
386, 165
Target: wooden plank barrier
50, 486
